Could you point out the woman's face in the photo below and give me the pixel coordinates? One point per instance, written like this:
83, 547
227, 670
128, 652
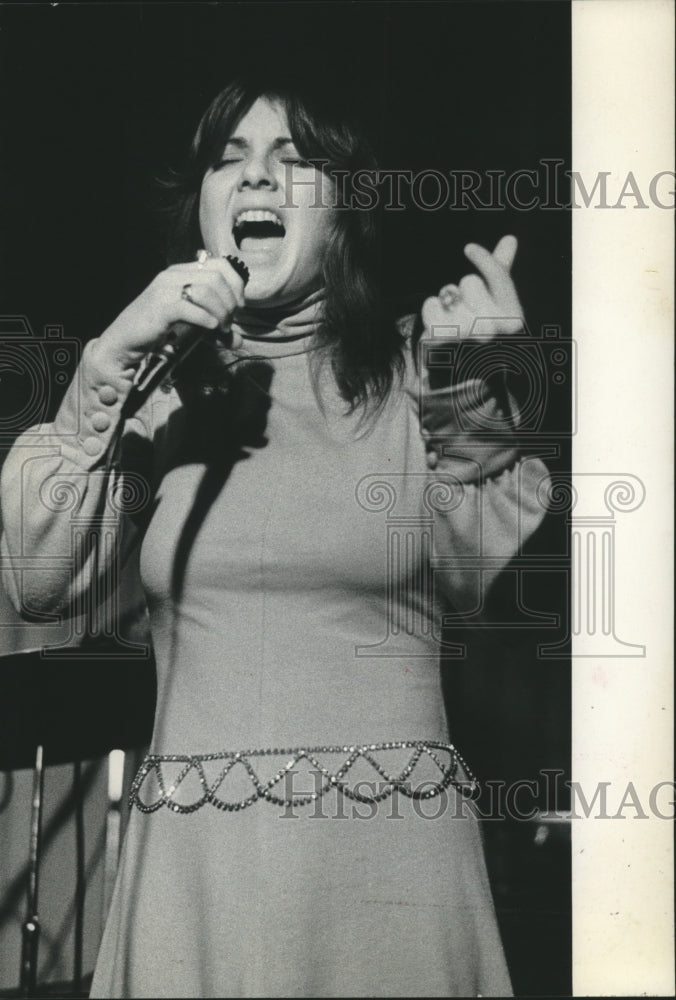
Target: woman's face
264, 204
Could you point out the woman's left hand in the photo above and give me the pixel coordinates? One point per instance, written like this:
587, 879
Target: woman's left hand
483, 306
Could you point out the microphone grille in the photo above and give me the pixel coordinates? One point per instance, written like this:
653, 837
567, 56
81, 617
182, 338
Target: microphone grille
239, 266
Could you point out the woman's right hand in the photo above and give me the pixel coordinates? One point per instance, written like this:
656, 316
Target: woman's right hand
216, 290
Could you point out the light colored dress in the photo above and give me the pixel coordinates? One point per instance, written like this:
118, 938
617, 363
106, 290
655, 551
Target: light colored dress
295, 569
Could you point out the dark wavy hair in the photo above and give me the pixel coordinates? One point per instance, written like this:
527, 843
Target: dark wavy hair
358, 336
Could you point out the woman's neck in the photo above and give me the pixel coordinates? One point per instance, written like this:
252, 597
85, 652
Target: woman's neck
290, 321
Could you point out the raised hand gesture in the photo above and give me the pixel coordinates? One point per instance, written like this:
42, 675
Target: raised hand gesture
481, 306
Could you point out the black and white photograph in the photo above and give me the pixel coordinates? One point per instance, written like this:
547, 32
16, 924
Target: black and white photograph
334, 503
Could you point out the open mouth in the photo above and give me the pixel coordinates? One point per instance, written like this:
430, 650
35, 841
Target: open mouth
258, 229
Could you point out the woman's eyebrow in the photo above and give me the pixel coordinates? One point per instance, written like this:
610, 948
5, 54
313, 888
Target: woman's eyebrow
240, 143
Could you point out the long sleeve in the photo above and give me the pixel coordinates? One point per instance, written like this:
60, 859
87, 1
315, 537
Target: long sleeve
493, 496
67, 521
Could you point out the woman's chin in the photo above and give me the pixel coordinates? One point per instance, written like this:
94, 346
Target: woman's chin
264, 298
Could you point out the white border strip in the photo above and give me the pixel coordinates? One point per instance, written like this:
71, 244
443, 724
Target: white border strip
623, 112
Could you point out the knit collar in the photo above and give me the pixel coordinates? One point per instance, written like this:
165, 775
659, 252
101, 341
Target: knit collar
283, 330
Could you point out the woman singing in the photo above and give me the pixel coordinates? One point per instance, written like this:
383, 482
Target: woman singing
304, 508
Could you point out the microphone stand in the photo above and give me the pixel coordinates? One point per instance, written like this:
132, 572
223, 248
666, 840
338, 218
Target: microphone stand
180, 341
31, 927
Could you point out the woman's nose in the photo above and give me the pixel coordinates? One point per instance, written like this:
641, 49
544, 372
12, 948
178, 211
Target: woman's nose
257, 172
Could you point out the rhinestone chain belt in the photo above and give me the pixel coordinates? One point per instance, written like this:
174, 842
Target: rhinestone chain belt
267, 789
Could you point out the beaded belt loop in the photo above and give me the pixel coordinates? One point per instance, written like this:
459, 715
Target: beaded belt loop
332, 779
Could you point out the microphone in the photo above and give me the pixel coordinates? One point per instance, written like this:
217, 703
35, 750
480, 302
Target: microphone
179, 341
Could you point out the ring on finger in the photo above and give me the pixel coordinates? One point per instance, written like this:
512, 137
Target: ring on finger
185, 293
202, 257
449, 295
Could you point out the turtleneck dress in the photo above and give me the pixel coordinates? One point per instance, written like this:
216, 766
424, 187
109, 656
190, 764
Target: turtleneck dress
300, 826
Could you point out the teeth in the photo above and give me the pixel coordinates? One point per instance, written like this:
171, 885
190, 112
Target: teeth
258, 215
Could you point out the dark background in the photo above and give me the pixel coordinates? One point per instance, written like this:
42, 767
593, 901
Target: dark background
96, 100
